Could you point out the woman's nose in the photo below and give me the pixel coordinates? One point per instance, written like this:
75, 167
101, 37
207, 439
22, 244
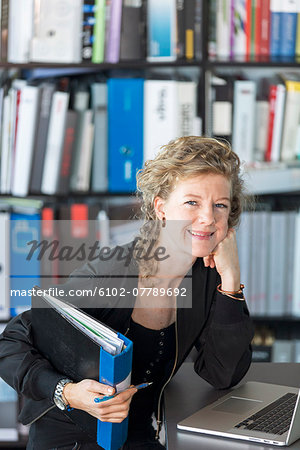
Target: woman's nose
206, 216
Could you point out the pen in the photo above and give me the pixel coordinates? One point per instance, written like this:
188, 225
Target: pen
107, 397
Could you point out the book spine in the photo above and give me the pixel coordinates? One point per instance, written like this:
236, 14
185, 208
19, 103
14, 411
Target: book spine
100, 151
296, 291
113, 43
257, 43
189, 29
180, 21
275, 26
186, 107
240, 44
288, 28
99, 32
212, 29
253, 28
232, 34
132, 31
54, 142
291, 121
65, 166
272, 103
198, 30
265, 28
161, 27
261, 127
41, 137
88, 24
29, 98
248, 26
4, 262
278, 121
4, 29
223, 28
243, 119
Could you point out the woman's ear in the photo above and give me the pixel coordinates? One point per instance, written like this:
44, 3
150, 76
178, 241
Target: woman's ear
159, 206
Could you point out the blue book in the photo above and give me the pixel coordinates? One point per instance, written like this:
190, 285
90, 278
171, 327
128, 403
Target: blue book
24, 267
161, 29
275, 27
125, 132
58, 334
288, 28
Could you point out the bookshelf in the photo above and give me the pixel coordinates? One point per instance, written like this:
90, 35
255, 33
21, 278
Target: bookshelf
277, 181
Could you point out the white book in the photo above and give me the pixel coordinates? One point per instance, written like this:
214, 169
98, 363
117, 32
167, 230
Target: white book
291, 121
20, 30
5, 140
223, 28
290, 248
278, 121
243, 119
239, 41
26, 130
85, 155
57, 31
263, 263
55, 139
160, 115
261, 129
4, 266
187, 96
277, 263
296, 290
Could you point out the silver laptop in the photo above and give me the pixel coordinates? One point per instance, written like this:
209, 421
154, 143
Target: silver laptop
258, 412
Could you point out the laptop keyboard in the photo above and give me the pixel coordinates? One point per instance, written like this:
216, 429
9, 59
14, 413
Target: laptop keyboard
274, 418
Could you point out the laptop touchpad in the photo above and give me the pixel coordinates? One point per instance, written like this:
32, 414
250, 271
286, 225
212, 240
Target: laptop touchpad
236, 405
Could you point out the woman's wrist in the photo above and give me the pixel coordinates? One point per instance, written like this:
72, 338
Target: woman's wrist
66, 393
231, 284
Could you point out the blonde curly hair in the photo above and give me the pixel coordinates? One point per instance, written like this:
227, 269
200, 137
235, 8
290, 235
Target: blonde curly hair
180, 159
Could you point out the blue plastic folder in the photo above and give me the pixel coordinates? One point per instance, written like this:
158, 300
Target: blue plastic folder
75, 355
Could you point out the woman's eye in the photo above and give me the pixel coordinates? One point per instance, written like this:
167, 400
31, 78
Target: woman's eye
221, 205
191, 202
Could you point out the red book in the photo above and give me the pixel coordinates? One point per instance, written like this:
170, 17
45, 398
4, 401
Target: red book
258, 10
272, 102
248, 27
265, 28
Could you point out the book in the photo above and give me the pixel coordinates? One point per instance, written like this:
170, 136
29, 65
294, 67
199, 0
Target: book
282, 351
275, 27
198, 29
24, 266
25, 137
291, 117
113, 38
296, 293
49, 268
180, 26
55, 140
265, 29
258, 23
63, 183
81, 336
290, 251
187, 95
88, 24
4, 266
161, 29
189, 16
99, 182
261, 127
4, 29
240, 17
125, 148
223, 26
243, 119
43, 119
278, 241
160, 114
20, 30
133, 43
99, 32
279, 110
221, 110
57, 37
288, 28
212, 30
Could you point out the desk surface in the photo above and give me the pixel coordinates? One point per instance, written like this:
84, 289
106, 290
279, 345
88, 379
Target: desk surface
187, 393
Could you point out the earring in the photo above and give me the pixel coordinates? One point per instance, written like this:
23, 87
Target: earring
163, 222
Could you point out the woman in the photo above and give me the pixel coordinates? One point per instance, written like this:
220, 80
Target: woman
192, 198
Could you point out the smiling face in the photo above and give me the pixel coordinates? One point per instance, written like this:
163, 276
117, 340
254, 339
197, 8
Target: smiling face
202, 205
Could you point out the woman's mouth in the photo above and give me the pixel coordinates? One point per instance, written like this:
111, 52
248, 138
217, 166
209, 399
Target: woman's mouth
201, 235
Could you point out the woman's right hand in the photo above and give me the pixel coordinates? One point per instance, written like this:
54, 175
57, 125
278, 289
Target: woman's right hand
81, 396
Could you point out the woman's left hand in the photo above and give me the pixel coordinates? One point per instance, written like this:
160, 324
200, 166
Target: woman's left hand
225, 259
